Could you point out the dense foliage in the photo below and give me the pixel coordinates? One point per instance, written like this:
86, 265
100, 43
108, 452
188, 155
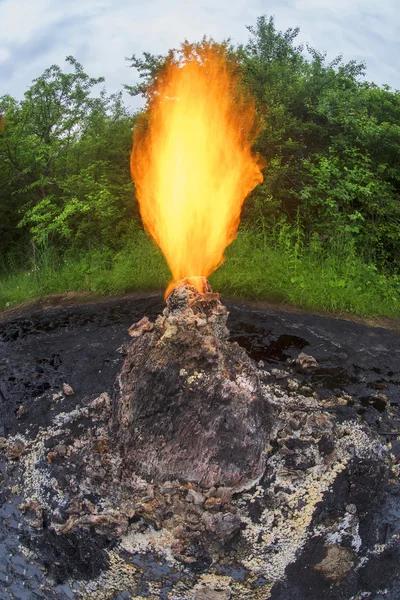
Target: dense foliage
330, 141
64, 166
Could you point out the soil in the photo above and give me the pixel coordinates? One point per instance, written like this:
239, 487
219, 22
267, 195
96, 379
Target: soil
55, 359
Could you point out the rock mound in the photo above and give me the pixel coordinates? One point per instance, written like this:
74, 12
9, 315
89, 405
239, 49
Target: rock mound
190, 406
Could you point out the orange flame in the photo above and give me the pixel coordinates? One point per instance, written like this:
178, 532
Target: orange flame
192, 162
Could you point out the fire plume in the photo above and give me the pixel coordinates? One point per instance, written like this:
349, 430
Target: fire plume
192, 162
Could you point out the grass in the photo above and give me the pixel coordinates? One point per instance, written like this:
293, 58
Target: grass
140, 266
276, 267
313, 277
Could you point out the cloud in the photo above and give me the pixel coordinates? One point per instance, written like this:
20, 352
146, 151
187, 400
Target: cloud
359, 29
101, 33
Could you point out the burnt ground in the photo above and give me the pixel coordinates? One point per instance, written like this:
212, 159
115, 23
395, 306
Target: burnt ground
41, 350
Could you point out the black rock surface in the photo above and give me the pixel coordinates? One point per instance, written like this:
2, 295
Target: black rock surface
356, 380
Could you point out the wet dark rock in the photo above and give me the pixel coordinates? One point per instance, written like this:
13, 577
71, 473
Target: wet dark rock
395, 448
329, 482
79, 555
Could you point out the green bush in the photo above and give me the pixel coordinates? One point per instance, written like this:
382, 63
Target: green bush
319, 276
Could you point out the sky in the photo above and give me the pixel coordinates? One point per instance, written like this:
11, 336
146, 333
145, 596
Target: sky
35, 34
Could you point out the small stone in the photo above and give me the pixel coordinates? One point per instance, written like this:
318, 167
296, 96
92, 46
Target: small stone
224, 493
306, 390
278, 392
341, 401
292, 384
201, 322
351, 509
195, 497
211, 492
99, 446
21, 412
67, 389
57, 396
294, 424
210, 593
123, 349
337, 563
222, 526
306, 363
61, 449
33, 514
15, 448
3, 443
279, 373
51, 456
212, 502
378, 385
141, 327
326, 445
101, 402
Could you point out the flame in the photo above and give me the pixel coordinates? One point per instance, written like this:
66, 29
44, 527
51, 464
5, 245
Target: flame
192, 162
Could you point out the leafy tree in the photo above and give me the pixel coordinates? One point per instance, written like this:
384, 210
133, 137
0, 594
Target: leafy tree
64, 163
330, 142
353, 186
